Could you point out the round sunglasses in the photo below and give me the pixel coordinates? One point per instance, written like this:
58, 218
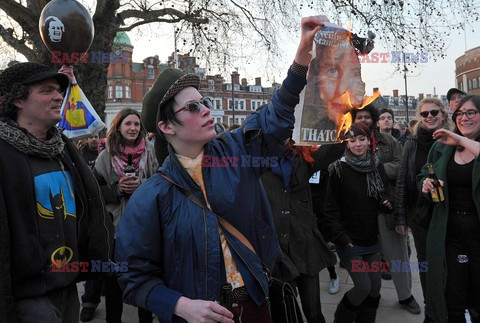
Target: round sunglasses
434, 113
469, 113
194, 106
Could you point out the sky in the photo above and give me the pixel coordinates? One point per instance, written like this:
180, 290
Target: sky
428, 78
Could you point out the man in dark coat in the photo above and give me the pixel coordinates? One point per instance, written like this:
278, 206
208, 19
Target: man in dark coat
52, 219
90, 150
304, 251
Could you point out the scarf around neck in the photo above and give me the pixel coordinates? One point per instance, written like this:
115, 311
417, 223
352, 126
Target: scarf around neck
367, 164
139, 155
27, 143
425, 137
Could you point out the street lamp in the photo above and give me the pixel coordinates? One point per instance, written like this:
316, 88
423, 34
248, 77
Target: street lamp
233, 96
233, 102
406, 95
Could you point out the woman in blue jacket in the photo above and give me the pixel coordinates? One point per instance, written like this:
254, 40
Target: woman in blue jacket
179, 254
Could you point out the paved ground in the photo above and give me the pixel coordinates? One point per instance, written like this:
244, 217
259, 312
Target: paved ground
389, 310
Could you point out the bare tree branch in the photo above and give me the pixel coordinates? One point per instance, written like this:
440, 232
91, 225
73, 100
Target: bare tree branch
18, 44
153, 15
18, 13
36, 5
227, 33
253, 22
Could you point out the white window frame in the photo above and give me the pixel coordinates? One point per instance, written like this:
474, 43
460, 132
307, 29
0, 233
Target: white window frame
240, 104
255, 88
239, 119
118, 91
211, 85
216, 105
255, 103
151, 72
128, 93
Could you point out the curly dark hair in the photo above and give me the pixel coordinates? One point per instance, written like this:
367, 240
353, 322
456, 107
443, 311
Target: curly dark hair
8, 109
373, 113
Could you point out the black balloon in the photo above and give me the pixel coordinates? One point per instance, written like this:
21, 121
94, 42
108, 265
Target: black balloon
66, 26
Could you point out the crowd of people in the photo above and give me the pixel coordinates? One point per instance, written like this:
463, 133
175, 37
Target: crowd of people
170, 234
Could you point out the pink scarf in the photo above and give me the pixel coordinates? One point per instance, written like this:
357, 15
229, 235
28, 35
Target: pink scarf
138, 158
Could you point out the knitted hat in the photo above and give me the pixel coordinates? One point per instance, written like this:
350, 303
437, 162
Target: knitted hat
29, 73
168, 84
453, 91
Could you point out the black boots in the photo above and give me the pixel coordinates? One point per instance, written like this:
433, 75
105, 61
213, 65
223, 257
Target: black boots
346, 312
368, 310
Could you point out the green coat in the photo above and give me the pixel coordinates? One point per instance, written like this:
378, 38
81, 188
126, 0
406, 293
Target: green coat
439, 156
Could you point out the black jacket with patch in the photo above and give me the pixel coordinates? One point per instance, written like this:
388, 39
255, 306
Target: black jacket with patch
17, 199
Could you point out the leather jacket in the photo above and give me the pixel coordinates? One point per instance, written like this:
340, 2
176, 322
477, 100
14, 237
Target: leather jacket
406, 190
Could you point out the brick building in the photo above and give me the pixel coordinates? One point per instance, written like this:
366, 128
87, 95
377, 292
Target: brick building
467, 71
128, 82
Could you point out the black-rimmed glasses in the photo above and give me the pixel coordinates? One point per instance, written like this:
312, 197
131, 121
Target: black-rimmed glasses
194, 106
434, 113
469, 113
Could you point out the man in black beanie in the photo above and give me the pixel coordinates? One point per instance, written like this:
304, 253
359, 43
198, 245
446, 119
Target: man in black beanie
454, 96
52, 219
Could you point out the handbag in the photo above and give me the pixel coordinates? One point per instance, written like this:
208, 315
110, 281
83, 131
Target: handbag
284, 307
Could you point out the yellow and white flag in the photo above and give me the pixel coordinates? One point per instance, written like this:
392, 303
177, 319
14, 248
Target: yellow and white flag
79, 118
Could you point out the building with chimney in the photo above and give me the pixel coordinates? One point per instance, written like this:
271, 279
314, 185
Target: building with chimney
128, 82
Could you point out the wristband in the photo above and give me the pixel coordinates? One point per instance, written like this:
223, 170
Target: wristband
298, 69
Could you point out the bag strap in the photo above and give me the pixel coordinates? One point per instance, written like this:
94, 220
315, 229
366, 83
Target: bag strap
192, 197
224, 223
230, 228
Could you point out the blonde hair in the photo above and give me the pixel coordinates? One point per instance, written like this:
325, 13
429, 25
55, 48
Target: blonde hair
447, 123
